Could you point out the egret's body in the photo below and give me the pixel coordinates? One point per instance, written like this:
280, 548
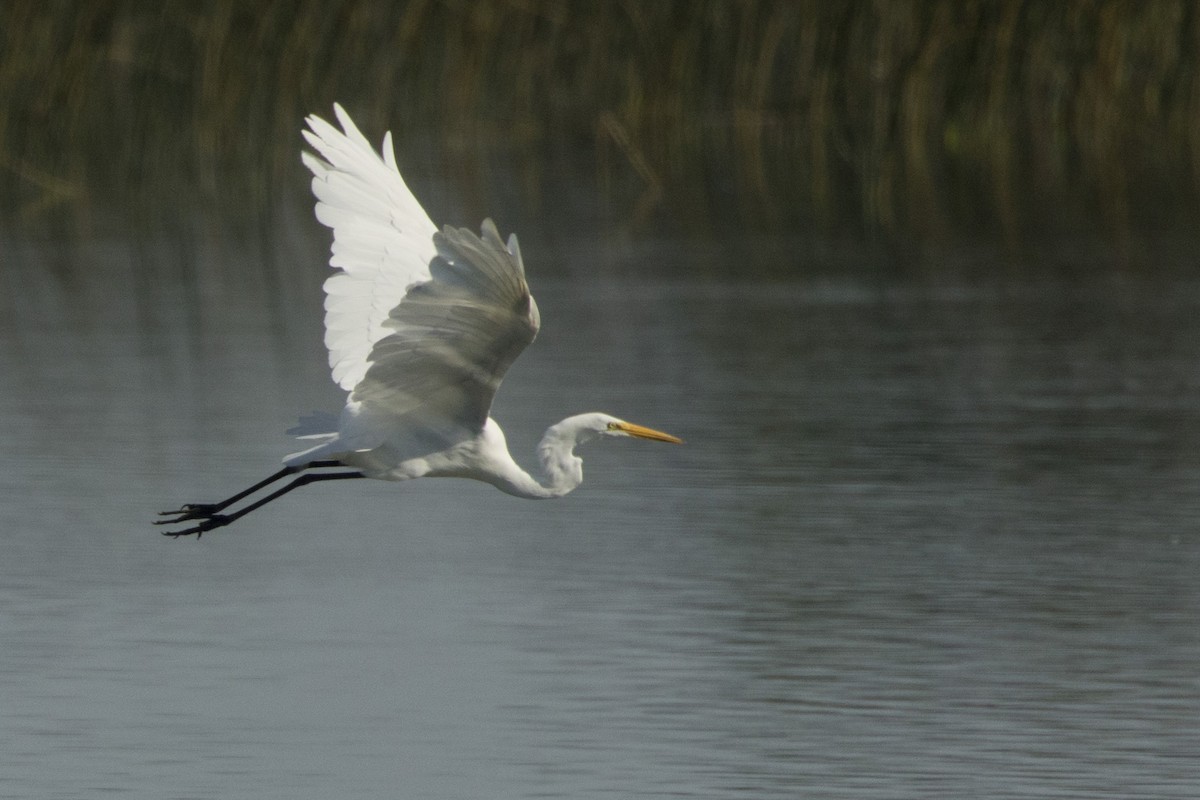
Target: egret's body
421, 326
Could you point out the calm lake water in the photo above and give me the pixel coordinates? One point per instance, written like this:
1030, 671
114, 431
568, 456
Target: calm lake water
920, 543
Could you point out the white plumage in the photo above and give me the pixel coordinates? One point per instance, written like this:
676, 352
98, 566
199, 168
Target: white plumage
382, 239
421, 326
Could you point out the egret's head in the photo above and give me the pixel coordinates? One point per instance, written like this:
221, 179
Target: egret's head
583, 428
619, 427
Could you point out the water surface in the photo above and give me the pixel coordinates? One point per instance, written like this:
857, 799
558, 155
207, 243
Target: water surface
920, 543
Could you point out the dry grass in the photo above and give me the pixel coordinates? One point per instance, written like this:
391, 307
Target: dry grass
915, 123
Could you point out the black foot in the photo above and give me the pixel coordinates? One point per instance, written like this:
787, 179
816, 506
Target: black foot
212, 521
189, 511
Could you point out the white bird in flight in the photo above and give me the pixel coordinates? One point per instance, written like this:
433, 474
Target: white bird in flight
421, 326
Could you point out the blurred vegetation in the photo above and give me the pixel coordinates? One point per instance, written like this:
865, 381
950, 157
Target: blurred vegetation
920, 127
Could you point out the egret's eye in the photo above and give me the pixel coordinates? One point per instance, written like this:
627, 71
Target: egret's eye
612, 426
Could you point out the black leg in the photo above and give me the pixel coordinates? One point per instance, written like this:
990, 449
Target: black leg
215, 520
202, 510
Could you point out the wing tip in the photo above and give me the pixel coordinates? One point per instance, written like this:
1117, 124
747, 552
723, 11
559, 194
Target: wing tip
349, 129
491, 234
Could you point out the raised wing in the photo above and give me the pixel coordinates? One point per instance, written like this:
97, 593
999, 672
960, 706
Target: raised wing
382, 240
452, 339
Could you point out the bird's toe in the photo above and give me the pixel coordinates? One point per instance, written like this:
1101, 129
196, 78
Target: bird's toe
188, 511
211, 522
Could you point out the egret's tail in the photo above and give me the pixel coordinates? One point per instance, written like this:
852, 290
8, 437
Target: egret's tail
320, 428
356, 430
315, 425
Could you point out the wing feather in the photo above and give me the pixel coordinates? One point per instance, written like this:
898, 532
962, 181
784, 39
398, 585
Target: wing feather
382, 240
452, 338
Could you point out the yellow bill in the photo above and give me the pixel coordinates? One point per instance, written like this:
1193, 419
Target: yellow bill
643, 432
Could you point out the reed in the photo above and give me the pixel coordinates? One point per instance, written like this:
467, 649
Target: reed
915, 125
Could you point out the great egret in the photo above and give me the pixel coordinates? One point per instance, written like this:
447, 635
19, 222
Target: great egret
421, 326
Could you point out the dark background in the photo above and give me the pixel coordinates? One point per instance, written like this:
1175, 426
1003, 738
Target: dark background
775, 138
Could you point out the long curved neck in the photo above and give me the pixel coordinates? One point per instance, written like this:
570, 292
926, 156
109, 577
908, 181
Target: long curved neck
561, 469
